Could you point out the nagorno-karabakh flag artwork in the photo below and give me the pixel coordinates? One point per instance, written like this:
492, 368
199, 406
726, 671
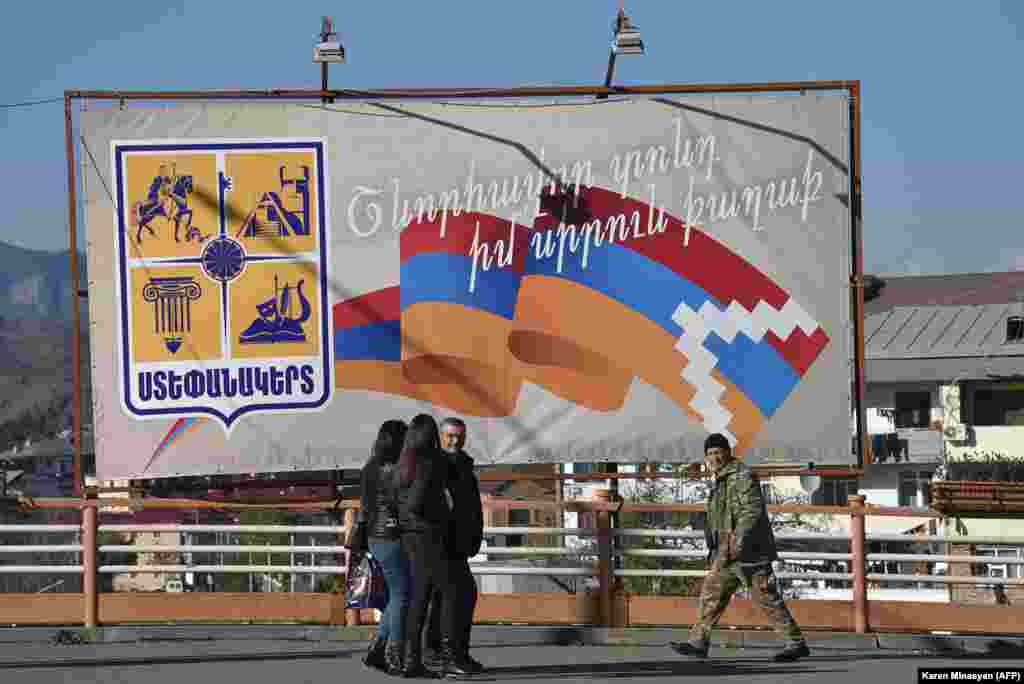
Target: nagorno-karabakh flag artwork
484, 306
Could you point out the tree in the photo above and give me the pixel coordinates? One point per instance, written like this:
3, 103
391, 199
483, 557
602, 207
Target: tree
240, 582
795, 523
657, 490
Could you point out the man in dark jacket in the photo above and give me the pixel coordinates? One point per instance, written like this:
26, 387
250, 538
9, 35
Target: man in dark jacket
451, 610
741, 548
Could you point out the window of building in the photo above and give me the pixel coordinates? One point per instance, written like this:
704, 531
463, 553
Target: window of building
582, 468
517, 517
877, 567
913, 409
1015, 329
914, 489
835, 491
997, 569
999, 406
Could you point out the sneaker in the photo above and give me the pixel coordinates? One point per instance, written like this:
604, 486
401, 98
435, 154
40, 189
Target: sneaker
687, 648
792, 652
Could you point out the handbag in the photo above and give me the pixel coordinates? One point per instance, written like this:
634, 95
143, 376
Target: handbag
357, 539
364, 585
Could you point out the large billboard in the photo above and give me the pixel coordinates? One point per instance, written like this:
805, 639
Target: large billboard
578, 281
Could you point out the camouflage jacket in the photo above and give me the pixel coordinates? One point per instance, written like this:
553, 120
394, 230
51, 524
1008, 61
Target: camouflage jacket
737, 526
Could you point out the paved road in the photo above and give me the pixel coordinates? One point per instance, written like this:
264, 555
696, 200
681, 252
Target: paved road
283, 663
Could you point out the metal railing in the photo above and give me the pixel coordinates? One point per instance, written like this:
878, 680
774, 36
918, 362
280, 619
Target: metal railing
601, 560
179, 549
40, 548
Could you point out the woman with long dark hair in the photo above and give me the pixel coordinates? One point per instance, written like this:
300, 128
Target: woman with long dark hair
423, 515
379, 533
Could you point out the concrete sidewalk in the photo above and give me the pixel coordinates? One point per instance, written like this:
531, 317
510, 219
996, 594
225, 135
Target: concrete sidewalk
26, 647
174, 663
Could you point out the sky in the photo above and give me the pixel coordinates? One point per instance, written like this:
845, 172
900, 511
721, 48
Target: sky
943, 154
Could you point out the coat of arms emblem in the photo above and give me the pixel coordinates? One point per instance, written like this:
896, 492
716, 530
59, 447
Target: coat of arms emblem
222, 250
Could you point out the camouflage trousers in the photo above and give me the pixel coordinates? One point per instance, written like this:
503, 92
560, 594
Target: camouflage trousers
722, 581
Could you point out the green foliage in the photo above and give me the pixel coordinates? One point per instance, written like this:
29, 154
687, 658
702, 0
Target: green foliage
34, 423
659, 586
329, 585
989, 457
661, 491
239, 582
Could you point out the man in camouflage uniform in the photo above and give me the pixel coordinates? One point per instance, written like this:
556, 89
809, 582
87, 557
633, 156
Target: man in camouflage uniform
741, 548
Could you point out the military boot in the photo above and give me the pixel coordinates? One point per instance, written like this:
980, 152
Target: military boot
689, 648
792, 652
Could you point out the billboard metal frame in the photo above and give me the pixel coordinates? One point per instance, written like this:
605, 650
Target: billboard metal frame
855, 201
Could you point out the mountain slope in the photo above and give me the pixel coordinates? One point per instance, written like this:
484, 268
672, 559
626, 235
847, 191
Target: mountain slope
35, 344
36, 284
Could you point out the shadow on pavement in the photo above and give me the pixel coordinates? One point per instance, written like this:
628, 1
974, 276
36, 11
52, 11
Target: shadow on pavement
650, 668
99, 660
1000, 648
843, 656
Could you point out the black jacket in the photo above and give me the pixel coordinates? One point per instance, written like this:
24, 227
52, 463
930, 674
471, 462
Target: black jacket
466, 528
422, 504
379, 499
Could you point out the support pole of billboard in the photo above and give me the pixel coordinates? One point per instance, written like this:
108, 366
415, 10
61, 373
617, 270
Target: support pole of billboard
76, 323
855, 502
857, 281
90, 517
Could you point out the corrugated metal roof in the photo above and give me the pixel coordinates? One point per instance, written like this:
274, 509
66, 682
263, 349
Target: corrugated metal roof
918, 332
954, 316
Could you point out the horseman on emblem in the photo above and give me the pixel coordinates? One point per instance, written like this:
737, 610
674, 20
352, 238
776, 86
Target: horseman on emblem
168, 197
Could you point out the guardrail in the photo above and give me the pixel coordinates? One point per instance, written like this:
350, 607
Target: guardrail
607, 606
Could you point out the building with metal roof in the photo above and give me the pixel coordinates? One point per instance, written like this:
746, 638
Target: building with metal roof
944, 371
945, 328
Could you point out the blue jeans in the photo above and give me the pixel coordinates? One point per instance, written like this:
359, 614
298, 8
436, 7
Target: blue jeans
397, 576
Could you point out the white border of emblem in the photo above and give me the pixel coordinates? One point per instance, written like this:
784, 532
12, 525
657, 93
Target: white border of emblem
126, 367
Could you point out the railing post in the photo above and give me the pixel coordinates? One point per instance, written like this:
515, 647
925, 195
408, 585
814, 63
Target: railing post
858, 561
604, 562
89, 565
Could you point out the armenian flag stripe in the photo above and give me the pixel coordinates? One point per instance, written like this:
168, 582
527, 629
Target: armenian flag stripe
443, 277
381, 341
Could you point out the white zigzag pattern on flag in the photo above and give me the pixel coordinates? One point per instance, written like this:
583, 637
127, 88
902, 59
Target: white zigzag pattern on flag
727, 324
